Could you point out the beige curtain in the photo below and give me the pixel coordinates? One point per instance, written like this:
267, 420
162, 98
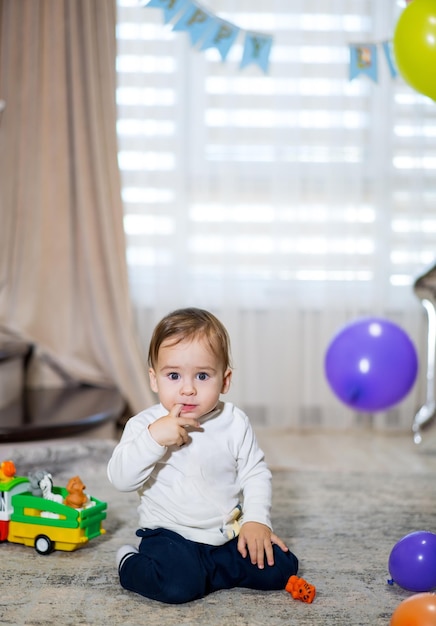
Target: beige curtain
63, 278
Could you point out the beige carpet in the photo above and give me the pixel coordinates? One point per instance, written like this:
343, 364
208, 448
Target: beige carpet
341, 525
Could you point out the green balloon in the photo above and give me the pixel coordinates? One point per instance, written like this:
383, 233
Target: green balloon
414, 45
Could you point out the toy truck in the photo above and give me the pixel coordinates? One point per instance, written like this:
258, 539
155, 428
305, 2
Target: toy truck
45, 523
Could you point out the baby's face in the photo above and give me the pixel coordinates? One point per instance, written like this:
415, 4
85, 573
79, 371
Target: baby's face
188, 373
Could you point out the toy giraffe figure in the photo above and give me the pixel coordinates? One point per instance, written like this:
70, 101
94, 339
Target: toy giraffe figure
76, 496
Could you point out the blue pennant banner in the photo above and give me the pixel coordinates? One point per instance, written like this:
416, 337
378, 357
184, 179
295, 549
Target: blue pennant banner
257, 49
363, 60
195, 21
170, 7
221, 36
210, 31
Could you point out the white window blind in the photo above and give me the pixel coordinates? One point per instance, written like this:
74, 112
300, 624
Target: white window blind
251, 186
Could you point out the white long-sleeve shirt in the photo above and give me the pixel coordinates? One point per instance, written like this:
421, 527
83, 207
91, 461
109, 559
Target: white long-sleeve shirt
193, 489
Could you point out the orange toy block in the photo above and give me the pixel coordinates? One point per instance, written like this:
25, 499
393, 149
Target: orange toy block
300, 589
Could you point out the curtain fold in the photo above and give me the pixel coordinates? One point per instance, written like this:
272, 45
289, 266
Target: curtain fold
63, 281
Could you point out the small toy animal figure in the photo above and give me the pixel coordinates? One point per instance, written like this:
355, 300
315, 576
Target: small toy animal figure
41, 485
7, 470
46, 486
76, 496
300, 589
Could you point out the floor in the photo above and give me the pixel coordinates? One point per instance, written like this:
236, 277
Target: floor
348, 451
352, 480
342, 525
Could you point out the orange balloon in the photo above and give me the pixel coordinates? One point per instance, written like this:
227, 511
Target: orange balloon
418, 610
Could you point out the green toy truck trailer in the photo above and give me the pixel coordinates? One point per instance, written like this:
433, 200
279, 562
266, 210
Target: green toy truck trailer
54, 520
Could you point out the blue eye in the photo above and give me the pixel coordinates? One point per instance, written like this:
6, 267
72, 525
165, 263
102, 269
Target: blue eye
173, 376
202, 376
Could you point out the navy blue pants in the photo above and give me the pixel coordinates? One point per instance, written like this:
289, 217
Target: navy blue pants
172, 569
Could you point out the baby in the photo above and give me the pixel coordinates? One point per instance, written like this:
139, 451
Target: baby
204, 487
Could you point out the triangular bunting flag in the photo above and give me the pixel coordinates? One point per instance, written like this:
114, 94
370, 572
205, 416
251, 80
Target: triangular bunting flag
221, 36
387, 47
257, 48
363, 60
170, 8
195, 21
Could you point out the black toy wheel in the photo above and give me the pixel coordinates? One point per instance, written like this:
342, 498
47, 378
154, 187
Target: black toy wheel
43, 545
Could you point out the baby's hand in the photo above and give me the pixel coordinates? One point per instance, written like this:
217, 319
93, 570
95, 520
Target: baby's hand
257, 540
170, 430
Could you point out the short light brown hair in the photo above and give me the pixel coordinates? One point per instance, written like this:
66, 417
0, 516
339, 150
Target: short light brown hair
188, 324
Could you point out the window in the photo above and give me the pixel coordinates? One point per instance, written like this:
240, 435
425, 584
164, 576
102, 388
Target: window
298, 175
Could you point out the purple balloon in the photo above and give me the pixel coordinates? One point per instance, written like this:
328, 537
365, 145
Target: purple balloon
412, 562
371, 364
